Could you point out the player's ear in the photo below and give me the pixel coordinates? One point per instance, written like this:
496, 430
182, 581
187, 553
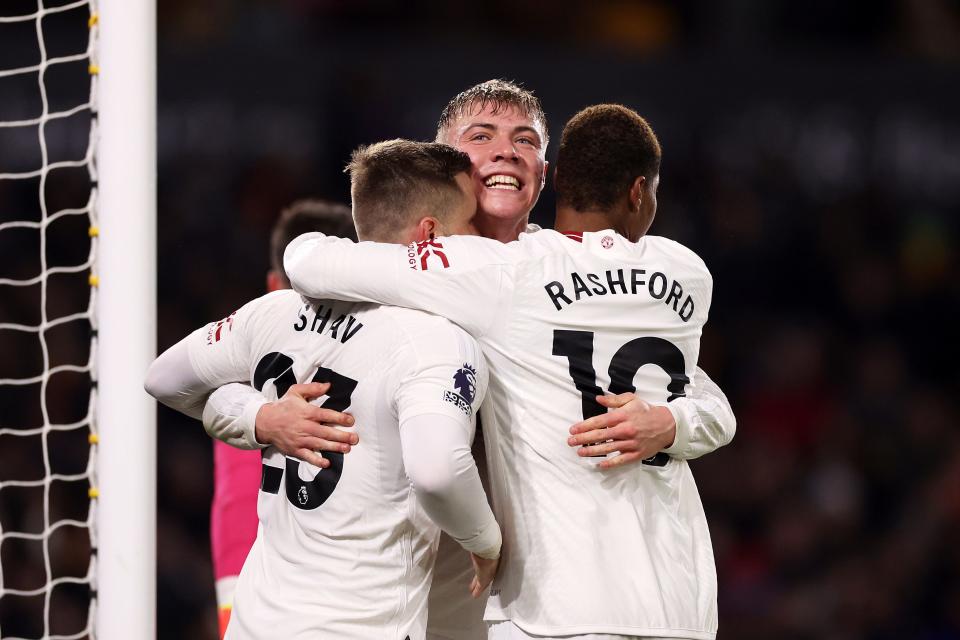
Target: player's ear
636, 192
543, 178
427, 228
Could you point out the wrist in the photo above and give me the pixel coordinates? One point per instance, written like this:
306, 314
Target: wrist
669, 427
487, 543
681, 427
255, 417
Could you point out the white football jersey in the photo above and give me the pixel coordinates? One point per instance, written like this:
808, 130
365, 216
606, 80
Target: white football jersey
343, 552
561, 319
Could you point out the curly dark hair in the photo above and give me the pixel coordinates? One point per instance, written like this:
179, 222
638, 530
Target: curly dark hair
502, 94
392, 181
603, 149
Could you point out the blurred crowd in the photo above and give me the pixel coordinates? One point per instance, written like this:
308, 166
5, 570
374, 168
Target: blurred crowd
811, 157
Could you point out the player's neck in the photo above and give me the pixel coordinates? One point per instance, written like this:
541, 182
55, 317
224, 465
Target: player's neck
502, 229
569, 219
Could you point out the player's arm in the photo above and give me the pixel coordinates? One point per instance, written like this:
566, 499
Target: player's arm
441, 468
463, 278
704, 419
688, 427
184, 376
172, 381
236, 412
436, 402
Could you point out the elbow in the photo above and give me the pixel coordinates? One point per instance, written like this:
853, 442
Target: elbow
153, 382
293, 260
161, 382
157, 383
154, 385
432, 481
297, 279
728, 430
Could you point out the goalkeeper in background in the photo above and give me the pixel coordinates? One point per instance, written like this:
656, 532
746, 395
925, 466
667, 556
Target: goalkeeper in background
236, 472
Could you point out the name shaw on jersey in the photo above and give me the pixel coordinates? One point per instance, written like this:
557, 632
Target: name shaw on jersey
321, 320
659, 286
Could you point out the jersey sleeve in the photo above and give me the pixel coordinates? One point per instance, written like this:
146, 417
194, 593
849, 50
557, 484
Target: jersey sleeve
464, 278
230, 415
220, 351
184, 375
705, 420
172, 381
437, 396
444, 372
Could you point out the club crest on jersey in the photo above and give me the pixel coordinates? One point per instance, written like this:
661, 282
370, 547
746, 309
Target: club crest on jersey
465, 382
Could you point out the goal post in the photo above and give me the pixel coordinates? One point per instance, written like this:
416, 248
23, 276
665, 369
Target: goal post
126, 271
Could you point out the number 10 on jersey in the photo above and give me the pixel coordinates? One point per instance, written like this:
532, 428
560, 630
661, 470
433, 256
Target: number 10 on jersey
577, 347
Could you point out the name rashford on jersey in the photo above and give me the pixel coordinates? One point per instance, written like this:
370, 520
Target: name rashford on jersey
562, 319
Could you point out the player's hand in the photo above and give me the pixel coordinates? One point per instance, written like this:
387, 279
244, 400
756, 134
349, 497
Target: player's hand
299, 429
635, 428
484, 571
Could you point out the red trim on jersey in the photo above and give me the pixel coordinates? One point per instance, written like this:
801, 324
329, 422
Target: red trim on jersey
228, 321
429, 248
574, 235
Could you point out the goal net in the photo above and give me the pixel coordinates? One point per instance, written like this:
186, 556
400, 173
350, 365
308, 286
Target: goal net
52, 430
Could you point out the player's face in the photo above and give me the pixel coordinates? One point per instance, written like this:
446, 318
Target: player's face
507, 153
461, 220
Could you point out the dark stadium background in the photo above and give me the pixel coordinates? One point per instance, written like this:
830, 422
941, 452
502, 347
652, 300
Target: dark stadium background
811, 157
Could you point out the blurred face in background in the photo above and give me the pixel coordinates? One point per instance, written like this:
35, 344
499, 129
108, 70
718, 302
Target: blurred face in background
507, 151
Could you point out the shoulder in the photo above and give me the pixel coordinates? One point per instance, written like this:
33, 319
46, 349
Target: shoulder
423, 337
419, 327
532, 245
282, 297
490, 251
548, 241
270, 303
677, 253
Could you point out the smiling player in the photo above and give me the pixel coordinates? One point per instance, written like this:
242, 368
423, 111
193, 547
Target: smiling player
562, 318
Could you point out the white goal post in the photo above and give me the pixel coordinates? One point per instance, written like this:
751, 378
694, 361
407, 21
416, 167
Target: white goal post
126, 164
